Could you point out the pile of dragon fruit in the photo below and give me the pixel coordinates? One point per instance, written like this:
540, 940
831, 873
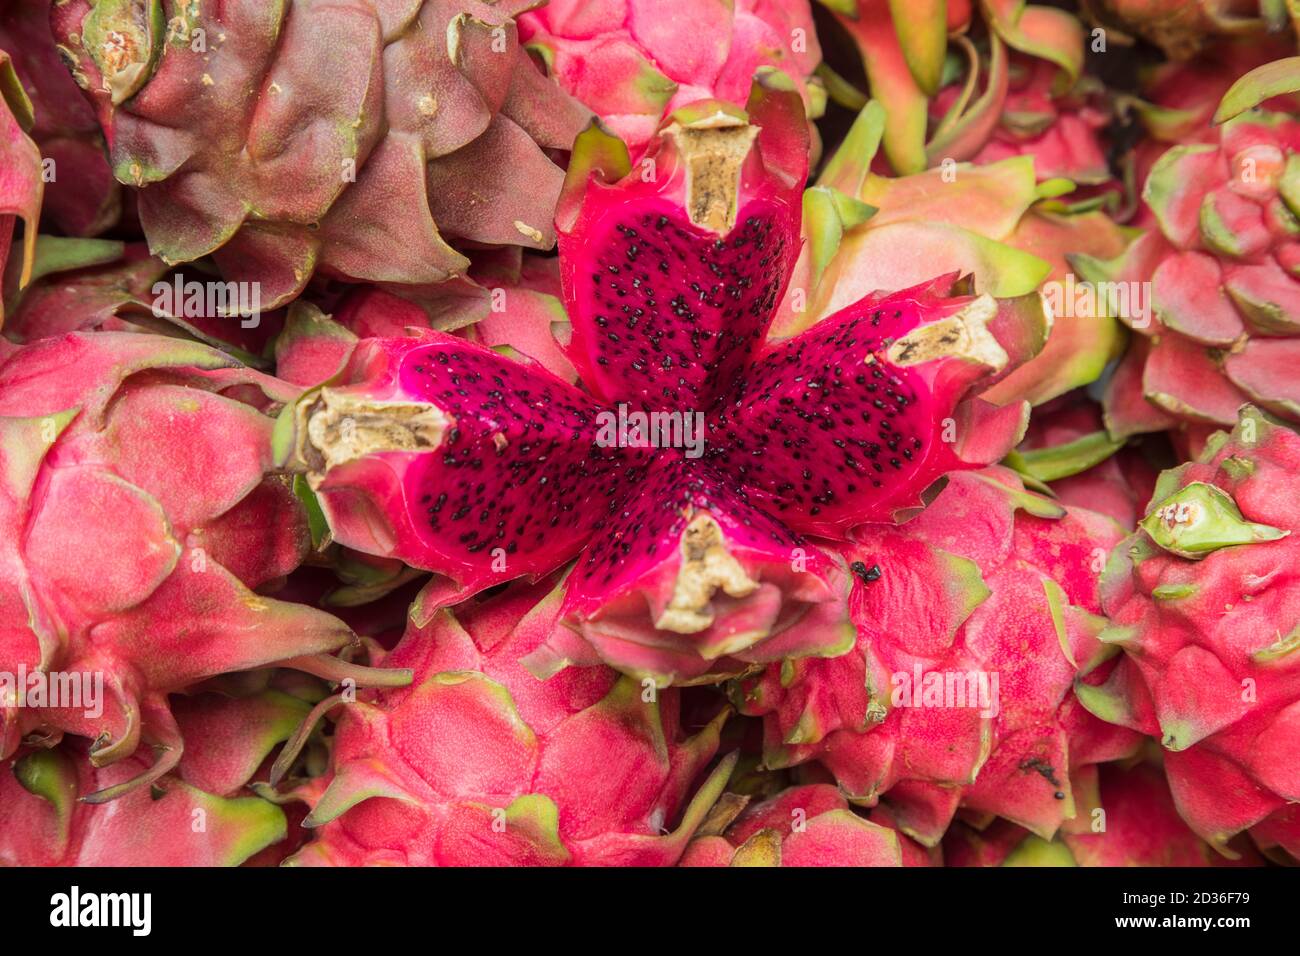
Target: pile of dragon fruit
650, 432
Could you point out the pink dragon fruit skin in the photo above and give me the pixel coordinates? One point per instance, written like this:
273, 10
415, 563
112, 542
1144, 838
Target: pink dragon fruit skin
482, 469
810, 825
1061, 132
1067, 446
85, 285
408, 785
906, 51
969, 586
42, 823
1220, 258
91, 465
21, 186
1139, 826
506, 302
1202, 601
635, 61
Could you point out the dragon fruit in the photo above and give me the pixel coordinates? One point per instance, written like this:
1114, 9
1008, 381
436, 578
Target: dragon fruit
200, 815
1182, 28
990, 582
865, 232
1178, 99
1221, 264
1202, 603
905, 48
21, 186
1067, 447
480, 763
286, 159
635, 61
810, 825
1139, 826
507, 301
1061, 130
84, 285
81, 196
91, 475
485, 469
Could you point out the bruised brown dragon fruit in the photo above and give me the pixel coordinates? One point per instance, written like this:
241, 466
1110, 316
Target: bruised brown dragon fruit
697, 556
350, 138
81, 196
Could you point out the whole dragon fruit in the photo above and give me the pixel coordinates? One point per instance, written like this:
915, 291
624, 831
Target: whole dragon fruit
480, 763
635, 61
1203, 602
348, 137
1221, 262
972, 620
202, 814
113, 570
694, 564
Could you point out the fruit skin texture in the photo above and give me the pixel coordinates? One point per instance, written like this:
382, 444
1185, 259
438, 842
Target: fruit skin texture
635, 61
1210, 664
485, 469
286, 160
84, 285
1141, 828
1062, 131
904, 48
810, 825
82, 198
1068, 447
507, 301
42, 823
21, 186
996, 222
989, 579
479, 763
91, 465
1222, 259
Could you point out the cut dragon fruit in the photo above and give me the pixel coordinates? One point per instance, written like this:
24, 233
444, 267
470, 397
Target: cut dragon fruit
692, 561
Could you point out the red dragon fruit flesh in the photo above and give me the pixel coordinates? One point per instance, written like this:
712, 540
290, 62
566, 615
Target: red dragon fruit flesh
483, 469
